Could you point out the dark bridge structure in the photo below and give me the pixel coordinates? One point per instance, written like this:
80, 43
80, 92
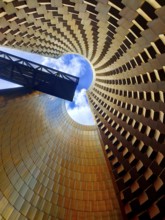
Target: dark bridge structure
37, 77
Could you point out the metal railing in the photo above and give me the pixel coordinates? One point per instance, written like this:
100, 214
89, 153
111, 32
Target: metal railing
37, 77
37, 66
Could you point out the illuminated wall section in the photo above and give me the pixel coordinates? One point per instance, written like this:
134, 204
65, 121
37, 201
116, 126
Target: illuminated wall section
124, 41
51, 167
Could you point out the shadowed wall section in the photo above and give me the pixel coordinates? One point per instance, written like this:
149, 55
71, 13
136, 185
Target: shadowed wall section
51, 167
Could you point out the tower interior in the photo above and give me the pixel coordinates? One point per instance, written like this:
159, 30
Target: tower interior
50, 166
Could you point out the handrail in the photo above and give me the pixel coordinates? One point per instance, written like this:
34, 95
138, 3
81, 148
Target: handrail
40, 67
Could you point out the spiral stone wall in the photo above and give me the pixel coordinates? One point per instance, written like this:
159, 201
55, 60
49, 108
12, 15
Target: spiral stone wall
125, 42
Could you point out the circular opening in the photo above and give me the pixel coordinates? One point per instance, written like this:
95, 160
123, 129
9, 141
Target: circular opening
79, 109
76, 65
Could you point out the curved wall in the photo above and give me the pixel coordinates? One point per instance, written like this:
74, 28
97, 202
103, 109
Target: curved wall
125, 42
50, 166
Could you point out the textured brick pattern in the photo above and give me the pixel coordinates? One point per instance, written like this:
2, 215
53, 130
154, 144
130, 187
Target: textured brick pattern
125, 42
51, 167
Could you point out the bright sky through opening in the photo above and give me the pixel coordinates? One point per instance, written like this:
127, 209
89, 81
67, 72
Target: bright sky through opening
72, 64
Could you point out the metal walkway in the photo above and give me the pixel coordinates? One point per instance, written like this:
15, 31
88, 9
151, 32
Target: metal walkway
37, 77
